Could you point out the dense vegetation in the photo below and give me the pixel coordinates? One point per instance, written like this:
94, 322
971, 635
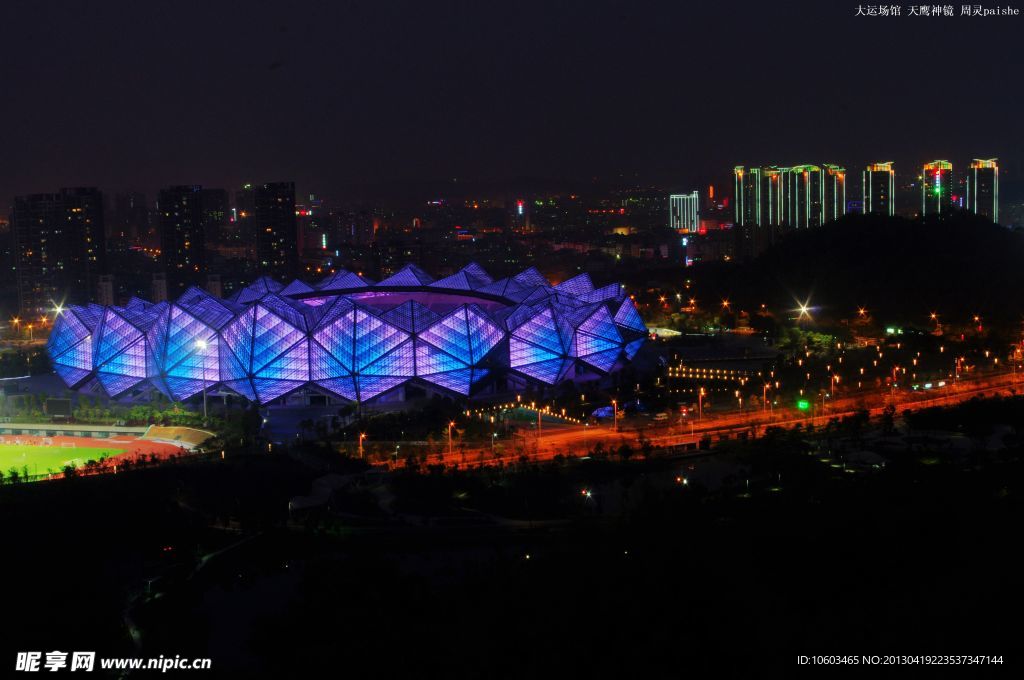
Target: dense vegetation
959, 264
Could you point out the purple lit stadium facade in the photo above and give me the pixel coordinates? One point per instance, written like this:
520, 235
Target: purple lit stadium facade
351, 338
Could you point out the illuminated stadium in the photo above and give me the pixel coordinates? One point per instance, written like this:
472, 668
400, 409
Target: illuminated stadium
351, 338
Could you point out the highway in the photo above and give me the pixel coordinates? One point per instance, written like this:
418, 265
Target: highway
577, 440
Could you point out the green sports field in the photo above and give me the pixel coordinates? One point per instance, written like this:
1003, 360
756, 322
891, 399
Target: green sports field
40, 459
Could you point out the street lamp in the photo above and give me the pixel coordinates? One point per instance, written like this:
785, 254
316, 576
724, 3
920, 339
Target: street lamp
362, 436
451, 424
201, 346
615, 415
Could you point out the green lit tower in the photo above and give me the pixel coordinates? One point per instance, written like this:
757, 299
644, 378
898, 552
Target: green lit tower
772, 209
758, 195
983, 188
834, 193
937, 188
747, 195
879, 185
803, 196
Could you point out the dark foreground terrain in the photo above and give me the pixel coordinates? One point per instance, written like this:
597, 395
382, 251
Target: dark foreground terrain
601, 568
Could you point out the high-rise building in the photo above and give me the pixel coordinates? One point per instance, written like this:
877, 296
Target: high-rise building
215, 212
983, 188
812, 195
684, 212
357, 226
803, 196
834, 193
59, 248
39, 252
242, 231
519, 215
936, 187
131, 218
182, 237
82, 211
770, 205
800, 196
277, 249
879, 187
313, 222
747, 195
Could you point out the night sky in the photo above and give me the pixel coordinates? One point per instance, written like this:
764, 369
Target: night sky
341, 95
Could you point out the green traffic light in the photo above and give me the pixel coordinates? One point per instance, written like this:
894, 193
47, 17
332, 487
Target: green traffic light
803, 404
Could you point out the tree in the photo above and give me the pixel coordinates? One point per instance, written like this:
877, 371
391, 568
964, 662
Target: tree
13, 475
625, 451
889, 419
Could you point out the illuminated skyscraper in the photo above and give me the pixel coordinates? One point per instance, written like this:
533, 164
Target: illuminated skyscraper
879, 186
803, 196
771, 196
983, 188
800, 196
747, 193
684, 212
833, 193
756, 196
936, 187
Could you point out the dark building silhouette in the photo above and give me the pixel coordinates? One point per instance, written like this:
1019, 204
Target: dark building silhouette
313, 223
59, 244
182, 238
277, 249
130, 220
242, 230
215, 212
82, 211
